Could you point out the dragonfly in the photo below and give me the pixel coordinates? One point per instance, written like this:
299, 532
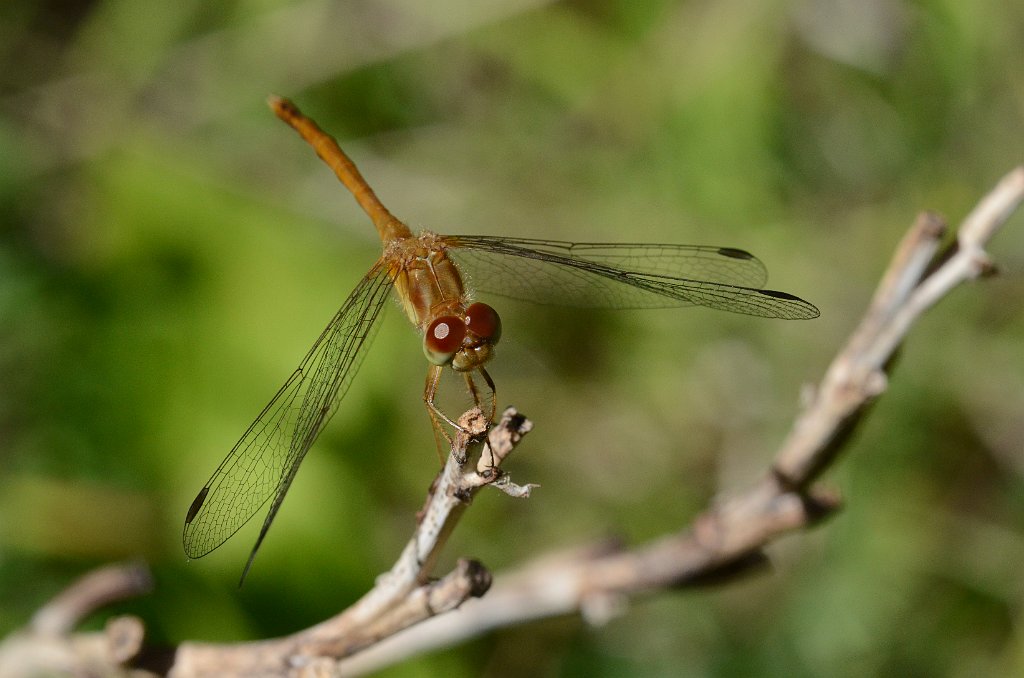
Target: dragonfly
433, 276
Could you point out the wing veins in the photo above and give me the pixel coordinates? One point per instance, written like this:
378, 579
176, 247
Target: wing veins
720, 295
263, 461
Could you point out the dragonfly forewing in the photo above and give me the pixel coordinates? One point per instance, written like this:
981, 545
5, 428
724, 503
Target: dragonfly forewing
592, 275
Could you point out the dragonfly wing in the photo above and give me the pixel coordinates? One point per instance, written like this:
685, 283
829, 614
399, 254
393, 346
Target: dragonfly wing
732, 298
592, 275
264, 461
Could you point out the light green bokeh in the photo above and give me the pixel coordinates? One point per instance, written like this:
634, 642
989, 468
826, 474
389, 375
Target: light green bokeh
169, 250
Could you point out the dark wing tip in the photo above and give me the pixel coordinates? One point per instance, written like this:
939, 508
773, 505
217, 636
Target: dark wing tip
197, 504
799, 310
734, 253
780, 295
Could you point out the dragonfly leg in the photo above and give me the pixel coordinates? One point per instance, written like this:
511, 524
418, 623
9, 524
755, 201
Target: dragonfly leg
494, 393
471, 385
429, 391
433, 379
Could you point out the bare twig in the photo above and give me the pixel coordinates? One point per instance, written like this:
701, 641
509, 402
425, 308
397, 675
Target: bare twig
46, 646
90, 593
858, 373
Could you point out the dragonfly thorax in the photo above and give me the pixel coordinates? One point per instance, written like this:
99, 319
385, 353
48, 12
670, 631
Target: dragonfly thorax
427, 282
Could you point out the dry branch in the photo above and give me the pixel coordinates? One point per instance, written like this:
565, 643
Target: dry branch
595, 581
728, 536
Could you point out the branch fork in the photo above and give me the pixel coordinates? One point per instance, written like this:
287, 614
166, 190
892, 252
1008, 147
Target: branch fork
406, 594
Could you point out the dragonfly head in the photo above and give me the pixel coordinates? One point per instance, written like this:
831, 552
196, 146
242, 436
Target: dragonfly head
465, 341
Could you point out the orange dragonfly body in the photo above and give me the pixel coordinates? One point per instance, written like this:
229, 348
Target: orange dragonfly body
429, 273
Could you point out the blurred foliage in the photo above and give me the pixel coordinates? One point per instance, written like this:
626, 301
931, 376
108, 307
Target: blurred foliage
169, 250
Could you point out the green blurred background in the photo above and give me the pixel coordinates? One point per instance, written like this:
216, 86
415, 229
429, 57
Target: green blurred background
169, 250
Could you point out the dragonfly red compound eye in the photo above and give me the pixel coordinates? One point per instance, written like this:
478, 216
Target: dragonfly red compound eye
443, 339
483, 321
